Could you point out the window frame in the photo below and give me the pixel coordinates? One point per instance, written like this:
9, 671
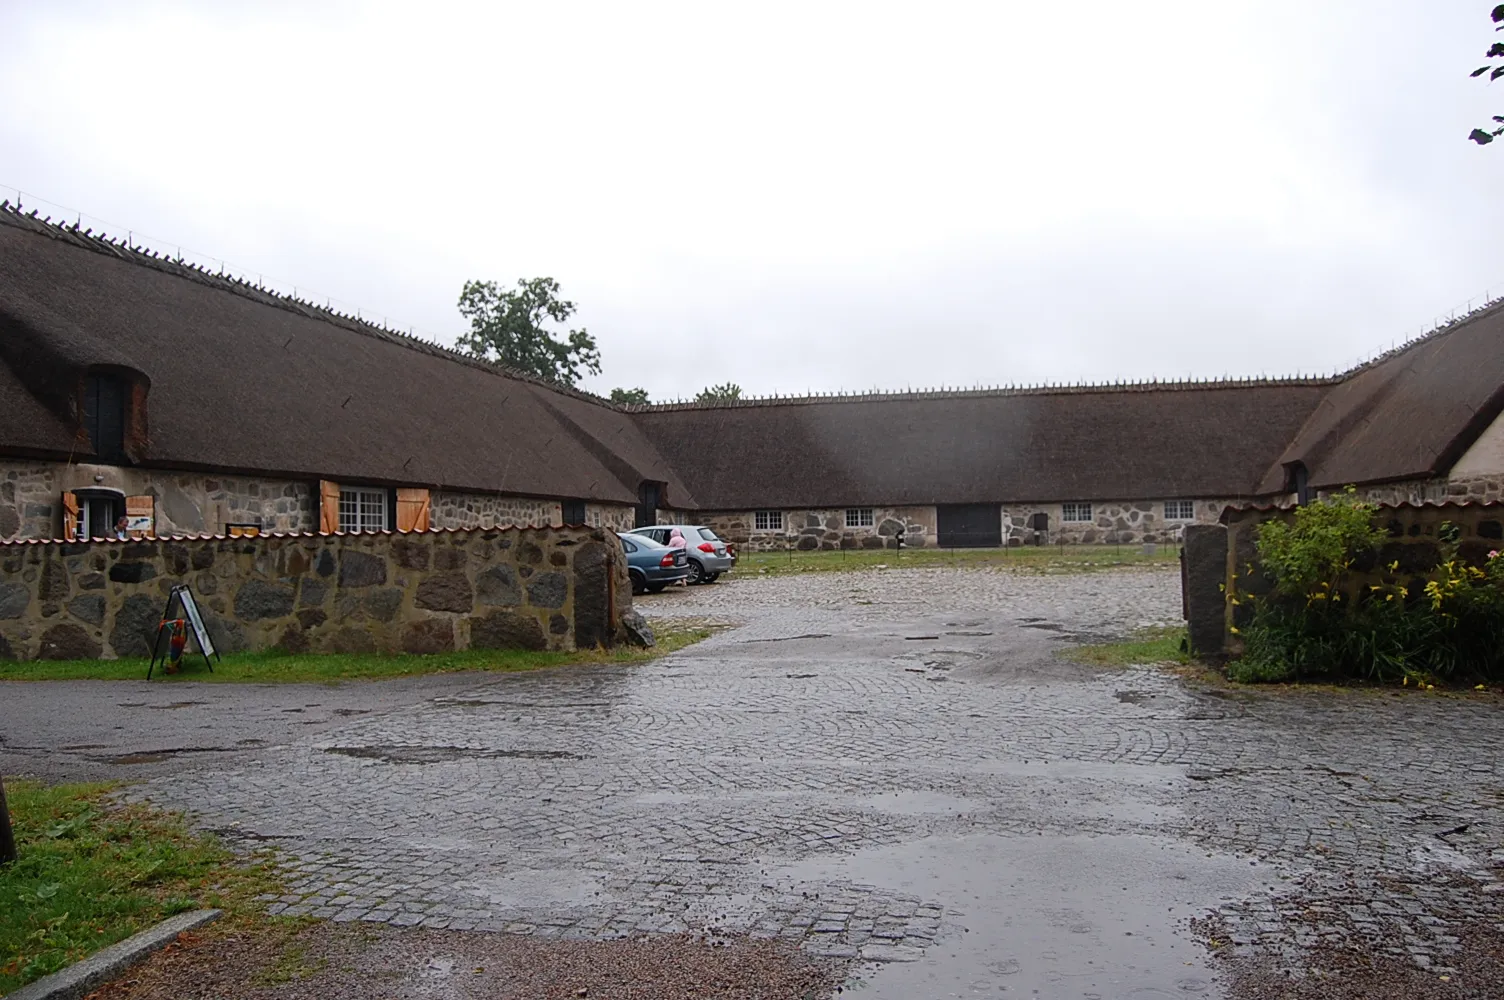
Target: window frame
1189, 506
1076, 512
767, 520
364, 501
864, 517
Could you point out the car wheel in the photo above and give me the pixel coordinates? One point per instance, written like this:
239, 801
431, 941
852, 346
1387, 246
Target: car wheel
696, 571
711, 578
656, 588
639, 582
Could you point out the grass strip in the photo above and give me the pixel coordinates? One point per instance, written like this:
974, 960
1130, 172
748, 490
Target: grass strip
92, 872
1045, 559
273, 666
1149, 645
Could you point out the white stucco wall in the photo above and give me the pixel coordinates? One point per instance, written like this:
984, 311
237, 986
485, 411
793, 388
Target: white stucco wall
1486, 456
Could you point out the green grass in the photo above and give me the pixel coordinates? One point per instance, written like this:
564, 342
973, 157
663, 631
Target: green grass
91, 873
1151, 645
272, 666
1027, 559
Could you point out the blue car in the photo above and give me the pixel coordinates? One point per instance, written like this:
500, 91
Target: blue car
653, 566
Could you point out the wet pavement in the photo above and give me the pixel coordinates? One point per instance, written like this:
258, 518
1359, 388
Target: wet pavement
890, 766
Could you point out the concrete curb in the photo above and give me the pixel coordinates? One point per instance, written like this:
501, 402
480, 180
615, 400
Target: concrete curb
93, 972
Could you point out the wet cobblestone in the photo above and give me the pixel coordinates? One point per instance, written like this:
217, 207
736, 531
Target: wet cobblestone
670, 797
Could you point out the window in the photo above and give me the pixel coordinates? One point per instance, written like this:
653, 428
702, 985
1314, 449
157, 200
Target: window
573, 511
104, 416
628, 546
1075, 512
1180, 510
708, 535
362, 510
768, 520
858, 517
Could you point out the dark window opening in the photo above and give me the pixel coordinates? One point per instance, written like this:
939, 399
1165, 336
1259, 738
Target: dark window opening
649, 495
1298, 482
104, 401
99, 513
1039, 522
574, 511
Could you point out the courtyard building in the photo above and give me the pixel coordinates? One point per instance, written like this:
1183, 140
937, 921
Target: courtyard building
189, 402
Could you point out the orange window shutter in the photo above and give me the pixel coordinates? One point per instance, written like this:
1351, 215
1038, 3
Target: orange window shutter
141, 516
70, 516
328, 507
412, 509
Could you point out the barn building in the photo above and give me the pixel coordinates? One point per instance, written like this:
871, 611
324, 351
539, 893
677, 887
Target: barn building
191, 402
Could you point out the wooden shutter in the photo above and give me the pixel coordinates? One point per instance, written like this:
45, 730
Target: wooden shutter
70, 516
328, 507
412, 509
141, 516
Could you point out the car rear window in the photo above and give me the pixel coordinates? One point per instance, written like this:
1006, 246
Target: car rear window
708, 535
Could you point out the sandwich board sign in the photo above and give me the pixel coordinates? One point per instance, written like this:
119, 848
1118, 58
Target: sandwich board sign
170, 623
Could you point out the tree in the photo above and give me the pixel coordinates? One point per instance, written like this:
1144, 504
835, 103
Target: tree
1483, 136
719, 393
508, 326
629, 395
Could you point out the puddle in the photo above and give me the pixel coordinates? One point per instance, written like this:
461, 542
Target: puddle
912, 803
157, 756
790, 638
536, 889
1134, 697
177, 704
1090, 917
439, 755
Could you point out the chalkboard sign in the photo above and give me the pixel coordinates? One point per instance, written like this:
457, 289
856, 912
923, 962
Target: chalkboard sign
184, 598
190, 607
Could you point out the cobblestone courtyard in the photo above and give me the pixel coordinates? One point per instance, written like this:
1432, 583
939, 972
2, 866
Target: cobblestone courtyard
893, 766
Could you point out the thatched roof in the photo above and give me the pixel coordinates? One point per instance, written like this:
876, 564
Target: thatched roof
1100, 443
244, 380
1407, 415
247, 381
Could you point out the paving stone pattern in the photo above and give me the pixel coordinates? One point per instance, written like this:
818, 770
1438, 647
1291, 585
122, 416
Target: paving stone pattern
667, 797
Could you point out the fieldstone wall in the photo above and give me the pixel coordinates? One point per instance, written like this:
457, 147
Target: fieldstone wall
612, 517
190, 503
1414, 549
420, 592
808, 530
186, 502
491, 510
1121, 522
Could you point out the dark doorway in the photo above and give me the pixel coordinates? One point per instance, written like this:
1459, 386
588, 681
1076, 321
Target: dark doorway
648, 496
970, 525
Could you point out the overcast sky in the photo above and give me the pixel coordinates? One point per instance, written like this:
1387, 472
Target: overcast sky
806, 196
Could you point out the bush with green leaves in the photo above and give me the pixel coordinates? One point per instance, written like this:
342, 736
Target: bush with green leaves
1312, 626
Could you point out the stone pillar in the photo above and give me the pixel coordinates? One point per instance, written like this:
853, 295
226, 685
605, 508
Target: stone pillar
1203, 577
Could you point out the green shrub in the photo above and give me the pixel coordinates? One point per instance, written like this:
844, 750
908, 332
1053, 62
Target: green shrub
1307, 628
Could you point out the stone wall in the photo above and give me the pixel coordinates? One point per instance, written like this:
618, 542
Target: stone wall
491, 510
186, 502
192, 503
1121, 522
810, 529
421, 592
1414, 548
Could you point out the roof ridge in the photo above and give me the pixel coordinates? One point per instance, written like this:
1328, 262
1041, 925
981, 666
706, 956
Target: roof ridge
1045, 389
100, 243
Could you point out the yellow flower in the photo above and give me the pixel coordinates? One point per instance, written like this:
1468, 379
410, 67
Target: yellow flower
1481, 687
1234, 600
1406, 681
1375, 587
1234, 630
1394, 566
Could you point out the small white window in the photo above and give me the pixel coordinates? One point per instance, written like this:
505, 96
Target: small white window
1075, 512
1180, 510
362, 510
768, 520
858, 517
